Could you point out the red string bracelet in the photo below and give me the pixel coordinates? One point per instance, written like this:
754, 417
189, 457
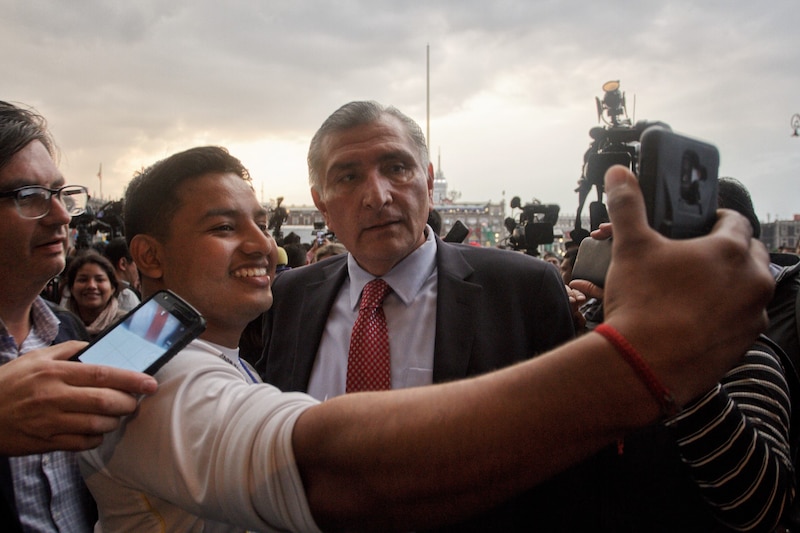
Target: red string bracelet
662, 394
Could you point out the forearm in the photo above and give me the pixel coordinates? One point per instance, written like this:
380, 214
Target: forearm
418, 457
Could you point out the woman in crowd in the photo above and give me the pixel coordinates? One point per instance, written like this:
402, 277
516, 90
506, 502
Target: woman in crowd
93, 291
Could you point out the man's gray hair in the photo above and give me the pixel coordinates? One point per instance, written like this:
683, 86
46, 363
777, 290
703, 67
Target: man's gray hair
356, 114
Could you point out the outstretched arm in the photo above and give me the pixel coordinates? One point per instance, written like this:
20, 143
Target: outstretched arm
47, 403
418, 457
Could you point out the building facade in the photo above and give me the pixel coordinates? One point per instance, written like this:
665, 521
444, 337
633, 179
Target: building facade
781, 234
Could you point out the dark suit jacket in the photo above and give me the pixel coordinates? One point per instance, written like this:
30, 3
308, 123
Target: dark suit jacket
71, 328
494, 308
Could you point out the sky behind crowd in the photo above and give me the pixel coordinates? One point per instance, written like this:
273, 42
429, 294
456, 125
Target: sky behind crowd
512, 84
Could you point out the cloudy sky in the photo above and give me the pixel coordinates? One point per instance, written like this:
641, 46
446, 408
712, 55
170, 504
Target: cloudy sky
512, 83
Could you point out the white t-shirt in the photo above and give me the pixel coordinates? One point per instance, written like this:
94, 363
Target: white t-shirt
209, 451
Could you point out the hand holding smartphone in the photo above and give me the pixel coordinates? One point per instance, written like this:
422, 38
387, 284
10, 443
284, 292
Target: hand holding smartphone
148, 336
678, 178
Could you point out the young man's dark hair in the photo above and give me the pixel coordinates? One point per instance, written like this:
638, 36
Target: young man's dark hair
150, 210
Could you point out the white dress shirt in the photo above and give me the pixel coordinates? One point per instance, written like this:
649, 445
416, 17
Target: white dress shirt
410, 311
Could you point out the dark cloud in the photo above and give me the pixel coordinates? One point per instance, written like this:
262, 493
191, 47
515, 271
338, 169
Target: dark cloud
513, 82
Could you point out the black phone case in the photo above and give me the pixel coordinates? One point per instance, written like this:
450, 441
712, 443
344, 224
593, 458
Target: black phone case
678, 177
457, 233
177, 307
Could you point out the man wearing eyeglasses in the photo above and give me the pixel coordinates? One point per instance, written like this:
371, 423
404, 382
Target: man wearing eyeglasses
46, 403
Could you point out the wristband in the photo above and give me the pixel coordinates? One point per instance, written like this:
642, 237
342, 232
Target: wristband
662, 394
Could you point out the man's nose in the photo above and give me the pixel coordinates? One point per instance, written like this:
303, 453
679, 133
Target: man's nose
376, 190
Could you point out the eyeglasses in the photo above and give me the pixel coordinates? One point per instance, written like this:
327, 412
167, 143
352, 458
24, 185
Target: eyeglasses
33, 201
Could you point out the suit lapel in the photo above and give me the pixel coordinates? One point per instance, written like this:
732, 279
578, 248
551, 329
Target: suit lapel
318, 297
456, 314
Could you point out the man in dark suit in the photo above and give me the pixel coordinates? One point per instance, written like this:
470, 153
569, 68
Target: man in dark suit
493, 308
454, 310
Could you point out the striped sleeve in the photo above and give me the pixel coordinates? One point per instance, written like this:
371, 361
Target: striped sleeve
735, 440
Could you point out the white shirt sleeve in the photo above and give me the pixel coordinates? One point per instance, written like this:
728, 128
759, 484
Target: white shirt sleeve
208, 450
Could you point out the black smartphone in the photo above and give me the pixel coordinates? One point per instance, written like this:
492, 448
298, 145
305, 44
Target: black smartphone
678, 176
148, 336
457, 233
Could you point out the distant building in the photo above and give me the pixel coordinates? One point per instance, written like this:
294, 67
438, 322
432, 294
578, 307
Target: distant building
439, 185
485, 219
781, 233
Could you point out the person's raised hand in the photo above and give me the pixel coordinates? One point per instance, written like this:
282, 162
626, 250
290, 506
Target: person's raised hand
48, 403
666, 296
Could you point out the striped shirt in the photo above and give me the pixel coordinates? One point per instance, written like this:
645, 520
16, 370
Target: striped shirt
735, 440
48, 489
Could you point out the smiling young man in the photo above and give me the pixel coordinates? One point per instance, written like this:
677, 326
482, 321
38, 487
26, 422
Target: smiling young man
217, 451
188, 459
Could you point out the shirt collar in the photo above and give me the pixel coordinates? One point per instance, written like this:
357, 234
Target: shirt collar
45, 322
44, 329
405, 278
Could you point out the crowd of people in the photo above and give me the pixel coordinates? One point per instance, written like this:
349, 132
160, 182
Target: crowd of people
467, 395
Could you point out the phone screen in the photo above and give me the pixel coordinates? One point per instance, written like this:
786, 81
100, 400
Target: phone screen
143, 341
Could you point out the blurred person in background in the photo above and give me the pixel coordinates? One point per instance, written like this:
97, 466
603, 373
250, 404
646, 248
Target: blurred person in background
93, 291
116, 251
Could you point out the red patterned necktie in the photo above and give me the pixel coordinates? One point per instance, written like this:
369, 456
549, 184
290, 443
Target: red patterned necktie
368, 364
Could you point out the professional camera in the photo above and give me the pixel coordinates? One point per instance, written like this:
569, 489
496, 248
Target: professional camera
616, 143
279, 216
87, 225
107, 219
110, 216
677, 176
534, 227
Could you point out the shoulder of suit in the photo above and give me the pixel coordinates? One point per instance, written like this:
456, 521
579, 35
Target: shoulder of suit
496, 255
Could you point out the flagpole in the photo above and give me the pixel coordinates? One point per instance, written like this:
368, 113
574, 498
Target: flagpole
428, 96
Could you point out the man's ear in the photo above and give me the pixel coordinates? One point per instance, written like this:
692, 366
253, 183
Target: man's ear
147, 253
430, 184
320, 203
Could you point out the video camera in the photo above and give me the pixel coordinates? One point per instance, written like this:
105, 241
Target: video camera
534, 227
108, 219
616, 143
677, 176
276, 220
